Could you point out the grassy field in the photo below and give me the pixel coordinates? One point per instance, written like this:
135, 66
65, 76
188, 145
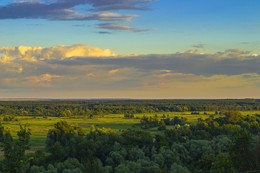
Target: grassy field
40, 125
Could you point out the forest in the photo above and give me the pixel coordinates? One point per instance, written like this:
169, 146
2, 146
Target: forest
224, 140
94, 107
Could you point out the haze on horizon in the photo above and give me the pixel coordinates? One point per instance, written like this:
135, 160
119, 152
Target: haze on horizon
129, 49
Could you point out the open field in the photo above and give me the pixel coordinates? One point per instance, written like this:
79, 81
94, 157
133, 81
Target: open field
40, 125
196, 136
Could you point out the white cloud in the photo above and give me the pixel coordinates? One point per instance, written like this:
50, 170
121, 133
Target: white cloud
76, 51
5, 59
33, 54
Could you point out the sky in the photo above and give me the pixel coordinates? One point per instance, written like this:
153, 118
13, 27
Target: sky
129, 49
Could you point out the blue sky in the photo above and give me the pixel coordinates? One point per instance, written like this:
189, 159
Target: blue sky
216, 30
174, 26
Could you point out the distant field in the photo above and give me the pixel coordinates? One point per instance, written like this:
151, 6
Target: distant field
39, 125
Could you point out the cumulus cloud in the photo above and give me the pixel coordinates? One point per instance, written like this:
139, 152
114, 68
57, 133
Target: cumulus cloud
34, 54
100, 72
187, 62
5, 59
7, 65
63, 52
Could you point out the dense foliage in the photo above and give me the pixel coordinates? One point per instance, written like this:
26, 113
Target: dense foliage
227, 144
100, 107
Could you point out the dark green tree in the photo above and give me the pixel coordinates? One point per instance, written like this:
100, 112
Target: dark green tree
14, 150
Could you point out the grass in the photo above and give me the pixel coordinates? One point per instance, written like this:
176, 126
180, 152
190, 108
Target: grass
39, 125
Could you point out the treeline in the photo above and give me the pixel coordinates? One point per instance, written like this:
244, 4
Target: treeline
228, 144
101, 107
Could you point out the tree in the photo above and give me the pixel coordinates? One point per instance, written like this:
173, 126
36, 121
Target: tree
14, 150
128, 115
242, 151
175, 168
233, 116
222, 164
60, 139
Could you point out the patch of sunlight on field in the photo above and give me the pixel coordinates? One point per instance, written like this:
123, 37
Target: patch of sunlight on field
40, 125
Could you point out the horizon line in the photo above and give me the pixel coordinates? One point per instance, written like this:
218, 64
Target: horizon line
121, 98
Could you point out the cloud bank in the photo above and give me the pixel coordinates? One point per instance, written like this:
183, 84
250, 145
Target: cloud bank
85, 71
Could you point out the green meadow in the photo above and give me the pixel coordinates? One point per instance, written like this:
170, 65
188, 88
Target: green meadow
40, 125
107, 135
